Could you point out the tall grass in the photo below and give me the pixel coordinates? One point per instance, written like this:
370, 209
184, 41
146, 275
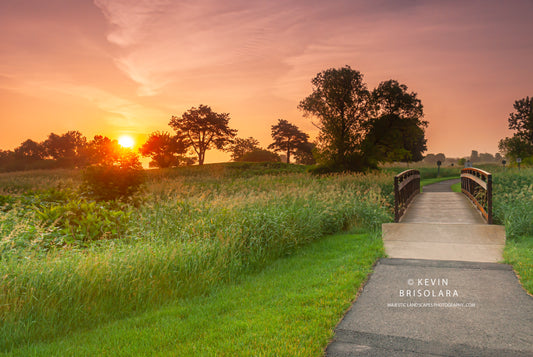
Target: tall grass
513, 207
192, 233
513, 201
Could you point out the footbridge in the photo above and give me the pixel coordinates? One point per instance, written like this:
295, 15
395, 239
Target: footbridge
440, 224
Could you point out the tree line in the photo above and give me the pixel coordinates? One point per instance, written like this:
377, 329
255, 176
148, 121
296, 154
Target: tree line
358, 128
196, 131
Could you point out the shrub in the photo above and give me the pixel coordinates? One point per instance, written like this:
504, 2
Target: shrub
82, 221
109, 182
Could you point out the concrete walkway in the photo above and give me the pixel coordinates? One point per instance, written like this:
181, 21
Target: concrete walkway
487, 313
446, 296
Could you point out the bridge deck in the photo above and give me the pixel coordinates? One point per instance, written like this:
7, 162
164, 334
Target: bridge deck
443, 226
441, 207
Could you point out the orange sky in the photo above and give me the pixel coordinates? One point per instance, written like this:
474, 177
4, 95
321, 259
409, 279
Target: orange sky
118, 66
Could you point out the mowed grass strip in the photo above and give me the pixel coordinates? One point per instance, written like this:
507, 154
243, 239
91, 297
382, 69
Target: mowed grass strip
288, 309
519, 253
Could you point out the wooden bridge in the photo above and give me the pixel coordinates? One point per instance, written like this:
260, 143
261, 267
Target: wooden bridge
444, 225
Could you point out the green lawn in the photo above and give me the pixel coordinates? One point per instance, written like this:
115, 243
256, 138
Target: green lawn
519, 253
288, 309
456, 187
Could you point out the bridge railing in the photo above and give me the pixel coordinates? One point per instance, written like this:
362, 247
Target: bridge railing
476, 184
406, 187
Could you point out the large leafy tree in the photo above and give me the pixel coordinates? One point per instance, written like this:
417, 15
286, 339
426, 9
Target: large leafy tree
395, 131
340, 101
164, 149
521, 120
515, 147
205, 129
66, 149
287, 138
102, 150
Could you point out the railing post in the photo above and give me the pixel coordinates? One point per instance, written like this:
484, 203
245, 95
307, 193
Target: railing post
489, 198
396, 200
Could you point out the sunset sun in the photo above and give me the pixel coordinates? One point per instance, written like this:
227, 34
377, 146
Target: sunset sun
126, 141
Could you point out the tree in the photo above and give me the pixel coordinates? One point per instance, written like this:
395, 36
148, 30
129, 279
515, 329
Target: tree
395, 131
522, 119
241, 147
120, 180
287, 138
440, 157
515, 147
305, 154
204, 129
521, 143
164, 149
486, 157
340, 101
102, 150
30, 150
430, 159
66, 149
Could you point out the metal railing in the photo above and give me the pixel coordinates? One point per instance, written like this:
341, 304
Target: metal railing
476, 184
406, 187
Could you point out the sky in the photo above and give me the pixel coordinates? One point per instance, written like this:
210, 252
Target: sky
116, 67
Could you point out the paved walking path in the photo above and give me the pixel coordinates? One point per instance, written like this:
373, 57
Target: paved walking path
433, 306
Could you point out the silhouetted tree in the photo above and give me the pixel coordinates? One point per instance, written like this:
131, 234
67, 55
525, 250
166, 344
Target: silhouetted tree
30, 150
204, 129
66, 149
486, 157
522, 119
305, 154
521, 143
440, 157
164, 149
102, 150
241, 147
340, 101
395, 131
287, 138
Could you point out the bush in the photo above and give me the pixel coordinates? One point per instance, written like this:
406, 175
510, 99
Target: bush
113, 182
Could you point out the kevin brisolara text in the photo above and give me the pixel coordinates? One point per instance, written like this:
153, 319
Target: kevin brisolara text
428, 293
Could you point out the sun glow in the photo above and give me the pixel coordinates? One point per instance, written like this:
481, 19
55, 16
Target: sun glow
126, 141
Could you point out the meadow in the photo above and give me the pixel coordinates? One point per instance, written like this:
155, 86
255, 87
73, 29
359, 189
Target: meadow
70, 265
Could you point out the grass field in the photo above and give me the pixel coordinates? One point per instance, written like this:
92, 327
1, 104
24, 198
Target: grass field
75, 270
287, 309
68, 264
